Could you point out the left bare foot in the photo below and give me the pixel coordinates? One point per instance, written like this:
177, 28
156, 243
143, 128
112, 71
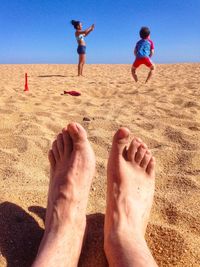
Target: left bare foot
72, 168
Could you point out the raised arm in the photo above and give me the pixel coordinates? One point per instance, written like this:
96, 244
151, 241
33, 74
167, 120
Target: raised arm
87, 31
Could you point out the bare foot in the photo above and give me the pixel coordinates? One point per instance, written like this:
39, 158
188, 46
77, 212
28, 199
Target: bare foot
131, 180
72, 168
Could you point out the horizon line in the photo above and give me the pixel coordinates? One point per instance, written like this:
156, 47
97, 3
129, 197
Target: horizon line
160, 63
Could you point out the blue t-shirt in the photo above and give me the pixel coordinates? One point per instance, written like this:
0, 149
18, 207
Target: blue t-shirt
143, 48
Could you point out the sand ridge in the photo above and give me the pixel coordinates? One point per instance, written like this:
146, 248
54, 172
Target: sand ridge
165, 113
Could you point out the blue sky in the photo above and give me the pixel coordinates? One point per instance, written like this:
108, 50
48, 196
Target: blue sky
39, 31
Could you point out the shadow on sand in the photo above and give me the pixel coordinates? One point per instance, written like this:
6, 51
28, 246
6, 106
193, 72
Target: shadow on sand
61, 76
47, 76
20, 236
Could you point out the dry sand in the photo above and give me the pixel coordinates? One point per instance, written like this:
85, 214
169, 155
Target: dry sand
165, 113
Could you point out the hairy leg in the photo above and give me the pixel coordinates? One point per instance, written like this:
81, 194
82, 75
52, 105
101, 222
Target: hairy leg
130, 190
72, 165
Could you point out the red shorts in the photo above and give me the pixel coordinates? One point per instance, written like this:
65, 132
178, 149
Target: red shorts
144, 60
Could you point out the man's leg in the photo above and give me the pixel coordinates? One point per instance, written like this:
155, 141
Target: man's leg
152, 68
130, 190
72, 167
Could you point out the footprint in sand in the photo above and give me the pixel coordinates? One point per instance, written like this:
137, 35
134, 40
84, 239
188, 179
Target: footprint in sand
193, 128
184, 183
7, 173
10, 142
177, 101
29, 129
146, 126
169, 210
177, 137
190, 104
43, 114
6, 111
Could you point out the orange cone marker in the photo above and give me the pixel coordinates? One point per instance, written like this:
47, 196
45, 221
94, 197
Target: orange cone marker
26, 82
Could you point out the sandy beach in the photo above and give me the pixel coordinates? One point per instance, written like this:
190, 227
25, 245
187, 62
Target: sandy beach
165, 113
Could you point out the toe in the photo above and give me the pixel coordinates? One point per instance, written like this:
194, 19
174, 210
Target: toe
151, 167
120, 140
60, 145
145, 161
67, 142
138, 139
76, 132
133, 149
140, 154
141, 142
55, 150
51, 159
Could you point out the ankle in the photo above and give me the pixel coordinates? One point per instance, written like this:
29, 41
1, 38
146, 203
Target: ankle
128, 251
122, 232
119, 239
59, 227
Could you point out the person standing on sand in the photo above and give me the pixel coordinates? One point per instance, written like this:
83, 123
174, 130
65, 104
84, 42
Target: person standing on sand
81, 50
130, 190
143, 52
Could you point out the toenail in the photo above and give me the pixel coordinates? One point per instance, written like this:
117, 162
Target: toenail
122, 134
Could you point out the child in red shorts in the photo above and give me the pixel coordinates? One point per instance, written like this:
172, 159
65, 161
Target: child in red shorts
143, 51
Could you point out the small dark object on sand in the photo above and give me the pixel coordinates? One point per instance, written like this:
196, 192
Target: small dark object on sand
73, 93
86, 119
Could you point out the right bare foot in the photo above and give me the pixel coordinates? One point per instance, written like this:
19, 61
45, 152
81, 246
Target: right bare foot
72, 168
131, 179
